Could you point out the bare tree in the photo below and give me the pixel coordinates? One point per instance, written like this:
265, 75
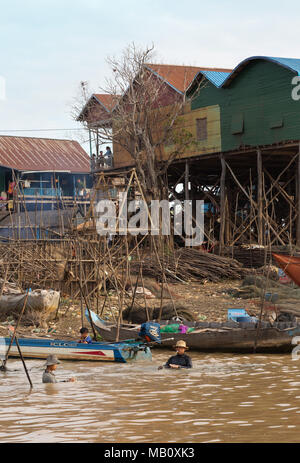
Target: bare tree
145, 120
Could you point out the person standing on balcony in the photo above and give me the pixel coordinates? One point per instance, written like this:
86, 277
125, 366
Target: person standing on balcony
93, 162
108, 156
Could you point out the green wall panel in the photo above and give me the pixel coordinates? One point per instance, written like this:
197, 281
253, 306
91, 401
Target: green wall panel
257, 108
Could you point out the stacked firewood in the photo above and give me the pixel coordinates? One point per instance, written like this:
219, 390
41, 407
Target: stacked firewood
255, 257
188, 264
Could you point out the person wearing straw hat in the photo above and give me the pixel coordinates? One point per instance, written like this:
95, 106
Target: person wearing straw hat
48, 375
180, 360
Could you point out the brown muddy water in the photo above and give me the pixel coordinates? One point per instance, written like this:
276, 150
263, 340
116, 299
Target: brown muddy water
224, 398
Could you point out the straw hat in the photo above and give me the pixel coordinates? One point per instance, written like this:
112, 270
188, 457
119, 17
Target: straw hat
51, 360
181, 344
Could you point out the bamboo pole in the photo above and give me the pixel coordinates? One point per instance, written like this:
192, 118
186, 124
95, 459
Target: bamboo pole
298, 201
87, 306
23, 361
222, 205
15, 330
259, 198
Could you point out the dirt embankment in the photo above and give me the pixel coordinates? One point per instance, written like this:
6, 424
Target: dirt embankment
208, 301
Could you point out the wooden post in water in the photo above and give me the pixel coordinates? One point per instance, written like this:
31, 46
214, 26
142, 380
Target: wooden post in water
14, 336
15, 330
24, 365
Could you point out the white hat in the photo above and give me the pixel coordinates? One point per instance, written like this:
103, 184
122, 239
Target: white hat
51, 360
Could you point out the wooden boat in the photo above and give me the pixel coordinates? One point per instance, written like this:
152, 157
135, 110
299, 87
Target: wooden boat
229, 336
290, 265
40, 300
71, 350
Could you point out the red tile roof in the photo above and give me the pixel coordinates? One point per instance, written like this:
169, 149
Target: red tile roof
27, 153
98, 108
180, 77
109, 101
177, 77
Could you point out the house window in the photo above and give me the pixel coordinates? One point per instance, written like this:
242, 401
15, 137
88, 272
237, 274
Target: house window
237, 123
276, 122
201, 129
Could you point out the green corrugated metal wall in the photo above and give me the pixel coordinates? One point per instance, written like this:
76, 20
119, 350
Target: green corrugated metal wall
256, 108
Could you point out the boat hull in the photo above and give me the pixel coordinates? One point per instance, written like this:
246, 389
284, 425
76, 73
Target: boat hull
70, 350
236, 340
290, 265
42, 301
213, 337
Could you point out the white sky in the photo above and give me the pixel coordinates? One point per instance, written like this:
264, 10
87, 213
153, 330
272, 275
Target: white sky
49, 46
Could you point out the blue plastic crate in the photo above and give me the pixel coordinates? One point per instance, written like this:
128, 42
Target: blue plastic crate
233, 314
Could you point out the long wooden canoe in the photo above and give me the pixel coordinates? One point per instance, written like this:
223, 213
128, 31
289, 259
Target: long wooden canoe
229, 336
41, 300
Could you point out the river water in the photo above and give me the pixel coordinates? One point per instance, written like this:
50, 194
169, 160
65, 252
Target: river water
224, 398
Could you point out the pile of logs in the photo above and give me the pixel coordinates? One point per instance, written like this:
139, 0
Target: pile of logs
255, 257
188, 264
250, 258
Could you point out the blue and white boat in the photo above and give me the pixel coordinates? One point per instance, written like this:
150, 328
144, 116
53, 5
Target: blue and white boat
40, 348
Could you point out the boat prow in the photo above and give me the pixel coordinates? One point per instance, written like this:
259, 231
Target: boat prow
290, 265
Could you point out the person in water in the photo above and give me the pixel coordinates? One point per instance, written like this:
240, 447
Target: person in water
84, 336
48, 375
180, 360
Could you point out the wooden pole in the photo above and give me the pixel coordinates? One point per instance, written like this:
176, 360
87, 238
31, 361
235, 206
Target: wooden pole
222, 205
87, 306
298, 201
259, 199
135, 288
15, 330
254, 204
24, 365
186, 181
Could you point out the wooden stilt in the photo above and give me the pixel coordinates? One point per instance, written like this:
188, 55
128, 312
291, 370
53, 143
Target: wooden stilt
186, 181
298, 201
259, 199
222, 205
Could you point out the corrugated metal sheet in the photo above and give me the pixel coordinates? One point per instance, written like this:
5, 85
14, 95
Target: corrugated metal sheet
27, 153
293, 64
216, 77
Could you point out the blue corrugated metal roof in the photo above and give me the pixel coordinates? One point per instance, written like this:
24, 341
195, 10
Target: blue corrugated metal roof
221, 79
292, 64
216, 77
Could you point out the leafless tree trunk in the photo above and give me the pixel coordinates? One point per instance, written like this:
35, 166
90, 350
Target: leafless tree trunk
145, 119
